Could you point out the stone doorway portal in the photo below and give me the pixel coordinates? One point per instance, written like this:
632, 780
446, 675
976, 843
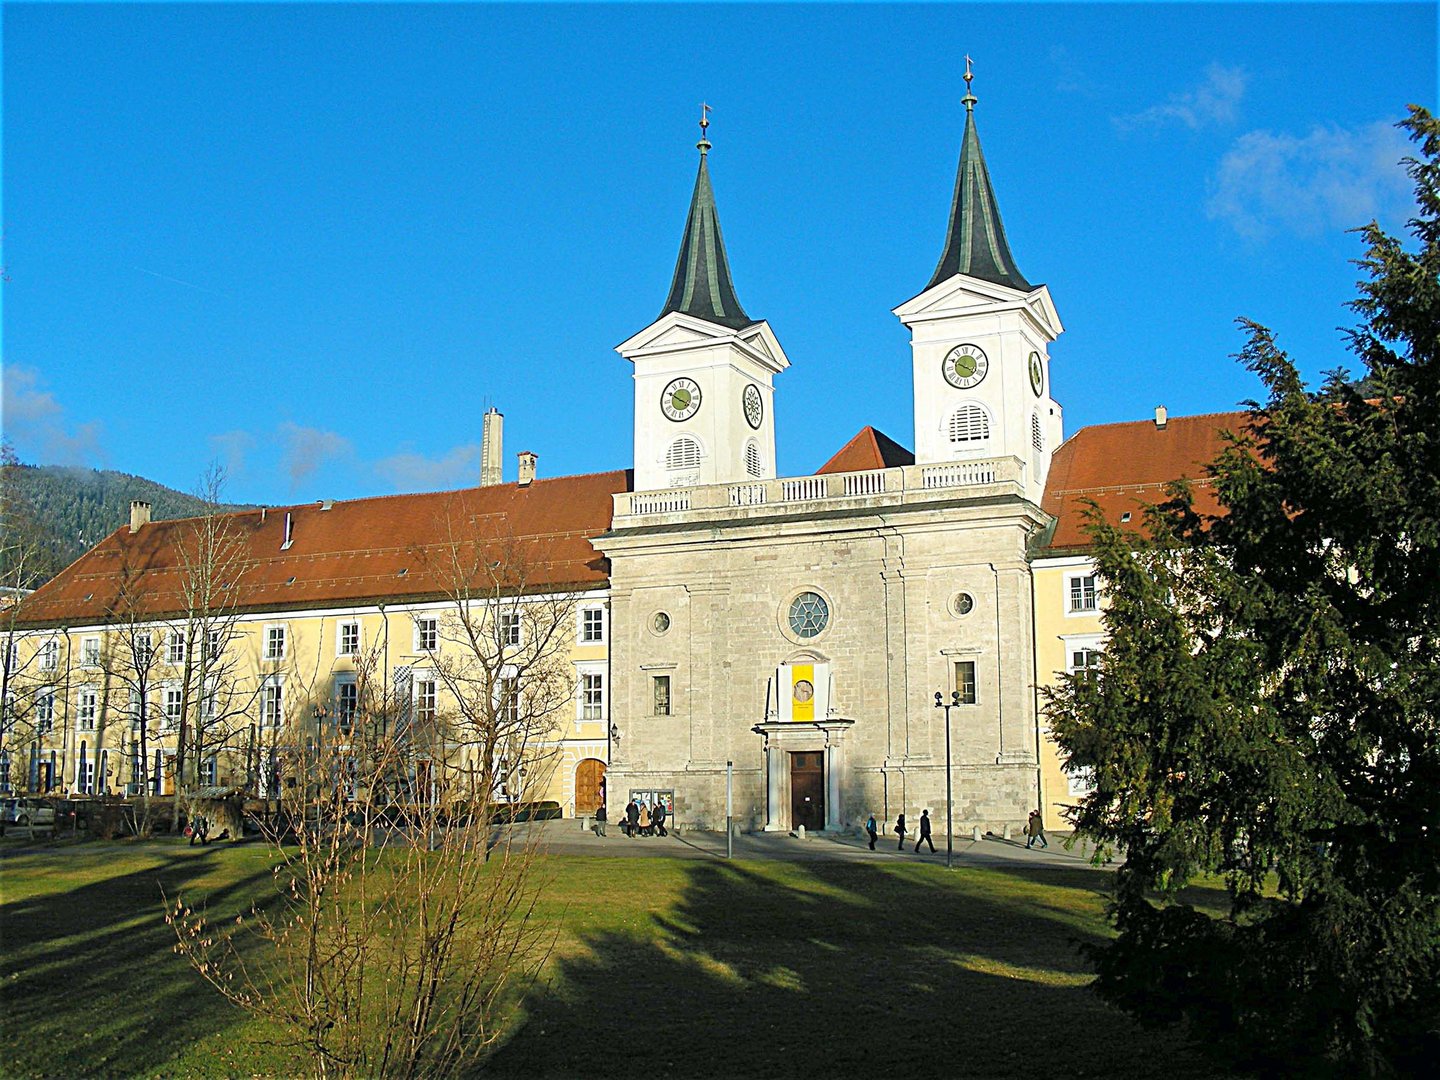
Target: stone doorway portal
807, 790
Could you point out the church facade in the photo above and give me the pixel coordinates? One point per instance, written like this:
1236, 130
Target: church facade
784, 640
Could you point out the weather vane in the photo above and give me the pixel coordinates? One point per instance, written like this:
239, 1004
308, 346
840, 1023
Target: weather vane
704, 144
969, 99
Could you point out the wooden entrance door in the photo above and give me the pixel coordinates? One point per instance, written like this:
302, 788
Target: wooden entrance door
807, 790
589, 783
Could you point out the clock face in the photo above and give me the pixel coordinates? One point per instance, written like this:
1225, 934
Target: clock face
1037, 374
804, 690
964, 366
681, 399
754, 406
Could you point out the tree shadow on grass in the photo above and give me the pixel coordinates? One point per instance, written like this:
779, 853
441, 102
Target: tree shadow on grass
70, 957
841, 969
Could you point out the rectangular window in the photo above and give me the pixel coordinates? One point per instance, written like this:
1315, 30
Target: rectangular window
86, 707
175, 647
172, 708
347, 702
86, 778
12, 658
509, 628
275, 643
50, 655
207, 771
137, 709
592, 625
4, 773
214, 643
1082, 593
90, 652
427, 634
661, 684
509, 715
144, 651
1084, 662
210, 702
44, 711
348, 643
965, 681
425, 701
592, 697
272, 705
7, 714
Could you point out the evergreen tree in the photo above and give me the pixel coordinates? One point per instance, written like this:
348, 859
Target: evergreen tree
1268, 705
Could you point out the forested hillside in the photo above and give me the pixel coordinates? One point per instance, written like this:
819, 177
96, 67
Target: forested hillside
53, 513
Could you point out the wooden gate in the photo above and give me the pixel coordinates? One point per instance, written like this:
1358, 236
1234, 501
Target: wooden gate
589, 783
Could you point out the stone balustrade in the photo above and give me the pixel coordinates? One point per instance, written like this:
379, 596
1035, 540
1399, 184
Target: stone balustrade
877, 487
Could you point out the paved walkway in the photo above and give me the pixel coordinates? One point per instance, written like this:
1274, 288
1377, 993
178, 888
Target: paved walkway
568, 838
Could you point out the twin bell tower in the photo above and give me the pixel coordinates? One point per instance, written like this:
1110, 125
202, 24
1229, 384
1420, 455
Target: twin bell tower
979, 336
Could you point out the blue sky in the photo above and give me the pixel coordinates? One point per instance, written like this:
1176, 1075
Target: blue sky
315, 241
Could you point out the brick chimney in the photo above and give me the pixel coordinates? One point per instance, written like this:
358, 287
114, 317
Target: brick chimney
139, 515
527, 467
1161, 418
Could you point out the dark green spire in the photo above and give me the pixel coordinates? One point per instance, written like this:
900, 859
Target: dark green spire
702, 285
976, 243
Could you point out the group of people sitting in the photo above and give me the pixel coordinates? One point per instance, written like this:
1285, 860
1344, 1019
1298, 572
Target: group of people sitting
640, 819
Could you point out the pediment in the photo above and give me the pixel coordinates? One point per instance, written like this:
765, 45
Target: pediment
962, 294
676, 331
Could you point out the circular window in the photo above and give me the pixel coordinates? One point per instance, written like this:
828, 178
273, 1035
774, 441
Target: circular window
962, 605
660, 622
809, 615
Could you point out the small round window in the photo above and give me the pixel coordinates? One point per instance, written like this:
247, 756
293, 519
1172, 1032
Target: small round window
963, 604
809, 614
660, 622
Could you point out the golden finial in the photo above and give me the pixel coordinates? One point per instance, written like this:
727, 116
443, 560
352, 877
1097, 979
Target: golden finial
704, 144
969, 99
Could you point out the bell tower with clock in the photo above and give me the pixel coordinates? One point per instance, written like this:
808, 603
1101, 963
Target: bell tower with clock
704, 393
980, 336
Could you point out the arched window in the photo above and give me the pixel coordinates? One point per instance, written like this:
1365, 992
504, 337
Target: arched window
684, 453
968, 424
752, 458
1037, 433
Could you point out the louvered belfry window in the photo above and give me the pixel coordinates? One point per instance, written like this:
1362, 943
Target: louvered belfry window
969, 423
684, 453
1037, 433
752, 458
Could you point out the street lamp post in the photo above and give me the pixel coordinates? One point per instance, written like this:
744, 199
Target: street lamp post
941, 703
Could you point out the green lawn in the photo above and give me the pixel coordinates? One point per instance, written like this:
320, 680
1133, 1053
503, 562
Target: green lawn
662, 968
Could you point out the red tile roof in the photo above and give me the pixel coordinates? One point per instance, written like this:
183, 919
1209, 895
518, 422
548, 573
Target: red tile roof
357, 552
870, 449
1125, 467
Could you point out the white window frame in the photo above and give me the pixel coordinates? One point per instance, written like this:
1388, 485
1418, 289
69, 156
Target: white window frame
592, 703
964, 445
346, 685
425, 686
271, 630
87, 708
209, 771
90, 651
143, 652
1074, 643
175, 647
509, 627
341, 648
215, 643
50, 655
44, 713
1071, 579
427, 627
172, 706
272, 703
85, 771
595, 612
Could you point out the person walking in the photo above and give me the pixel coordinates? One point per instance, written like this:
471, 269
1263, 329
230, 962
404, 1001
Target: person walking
874, 834
659, 817
632, 819
600, 820
900, 828
1035, 830
924, 837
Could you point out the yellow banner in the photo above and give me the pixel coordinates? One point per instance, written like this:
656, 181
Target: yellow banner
802, 692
